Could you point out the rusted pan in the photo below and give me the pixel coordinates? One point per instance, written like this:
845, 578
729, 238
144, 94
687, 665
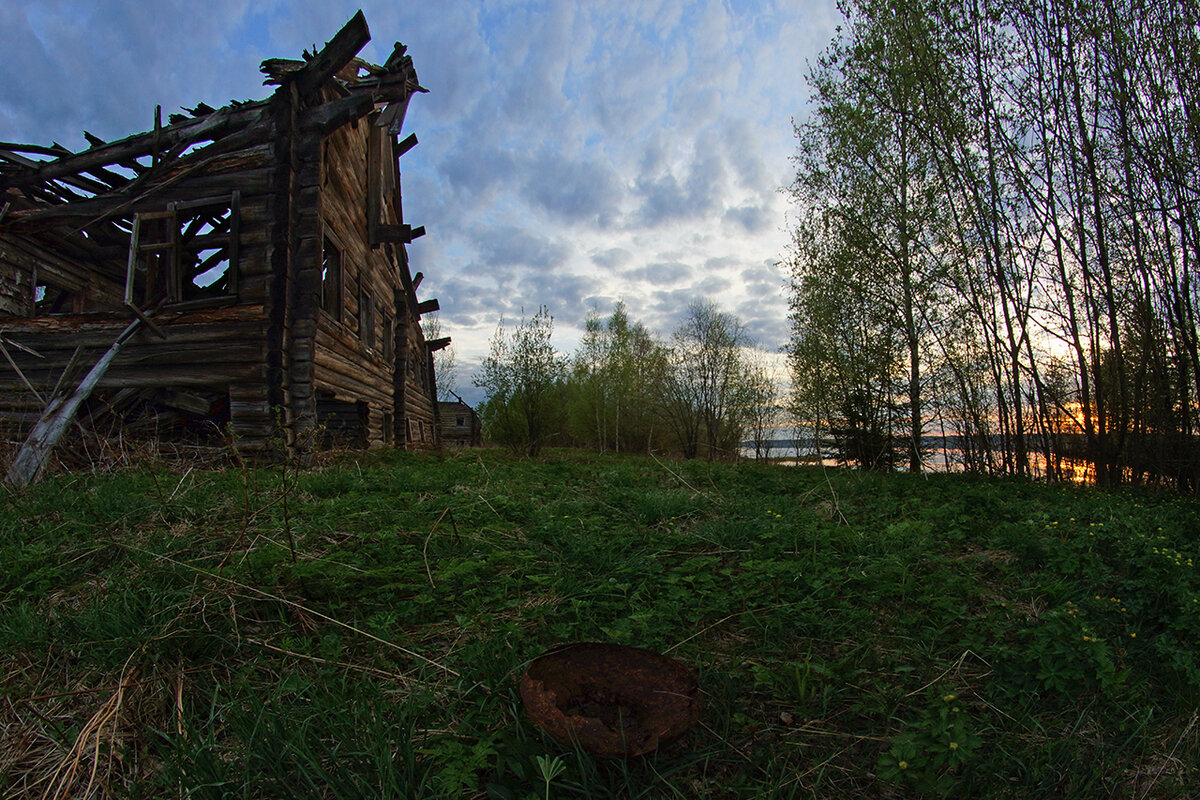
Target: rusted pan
614, 700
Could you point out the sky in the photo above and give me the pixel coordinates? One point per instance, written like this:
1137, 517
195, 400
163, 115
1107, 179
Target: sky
572, 154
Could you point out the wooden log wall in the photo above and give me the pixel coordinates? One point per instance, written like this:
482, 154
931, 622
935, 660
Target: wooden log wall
26, 261
350, 361
216, 349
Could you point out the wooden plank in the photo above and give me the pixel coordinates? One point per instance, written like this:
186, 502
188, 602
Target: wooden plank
335, 55
251, 181
30, 460
409, 143
400, 234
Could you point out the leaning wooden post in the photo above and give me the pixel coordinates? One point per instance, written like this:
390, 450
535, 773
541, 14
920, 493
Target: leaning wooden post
32, 457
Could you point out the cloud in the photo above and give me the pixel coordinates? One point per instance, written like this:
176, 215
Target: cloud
510, 246
567, 296
661, 273
612, 258
753, 218
666, 198
574, 191
476, 170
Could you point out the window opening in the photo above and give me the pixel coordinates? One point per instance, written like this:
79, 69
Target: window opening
51, 299
187, 254
366, 318
331, 278
207, 250
389, 338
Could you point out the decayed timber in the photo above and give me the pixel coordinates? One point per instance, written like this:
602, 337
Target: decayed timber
31, 458
229, 221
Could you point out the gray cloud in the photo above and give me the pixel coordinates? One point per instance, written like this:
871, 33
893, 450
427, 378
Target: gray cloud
478, 169
713, 287
660, 273
744, 151
507, 245
612, 258
666, 198
573, 190
752, 218
566, 295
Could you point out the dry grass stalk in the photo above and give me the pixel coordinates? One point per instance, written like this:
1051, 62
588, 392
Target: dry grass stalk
90, 740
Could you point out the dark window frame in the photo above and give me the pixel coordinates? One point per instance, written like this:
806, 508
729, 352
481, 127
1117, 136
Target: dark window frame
331, 293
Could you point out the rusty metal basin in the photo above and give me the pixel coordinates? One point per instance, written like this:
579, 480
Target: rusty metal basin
614, 700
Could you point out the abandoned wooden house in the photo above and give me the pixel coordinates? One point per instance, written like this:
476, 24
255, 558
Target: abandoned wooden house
244, 268
461, 426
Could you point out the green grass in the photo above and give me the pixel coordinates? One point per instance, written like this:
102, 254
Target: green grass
359, 630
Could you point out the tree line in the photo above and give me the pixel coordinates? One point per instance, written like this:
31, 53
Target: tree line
996, 237
697, 393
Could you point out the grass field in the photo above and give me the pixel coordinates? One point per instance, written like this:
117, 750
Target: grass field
359, 630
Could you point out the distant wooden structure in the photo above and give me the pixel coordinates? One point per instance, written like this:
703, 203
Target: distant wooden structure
262, 245
460, 423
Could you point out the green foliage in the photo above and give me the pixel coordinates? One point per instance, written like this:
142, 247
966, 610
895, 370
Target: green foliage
709, 385
615, 387
933, 747
522, 376
828, 614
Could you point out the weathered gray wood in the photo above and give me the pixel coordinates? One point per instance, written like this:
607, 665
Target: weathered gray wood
31, 459
336, 54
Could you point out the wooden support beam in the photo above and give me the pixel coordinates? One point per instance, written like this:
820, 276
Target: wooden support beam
438, 344
402, 234
336, 54
428, 307
409, 143
328, 117
392, 118
78, 181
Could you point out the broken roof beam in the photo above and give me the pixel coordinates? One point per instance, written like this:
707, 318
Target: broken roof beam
213, 126
335, 55
78, 181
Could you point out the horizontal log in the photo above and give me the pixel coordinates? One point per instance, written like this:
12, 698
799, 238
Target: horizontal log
330, 116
